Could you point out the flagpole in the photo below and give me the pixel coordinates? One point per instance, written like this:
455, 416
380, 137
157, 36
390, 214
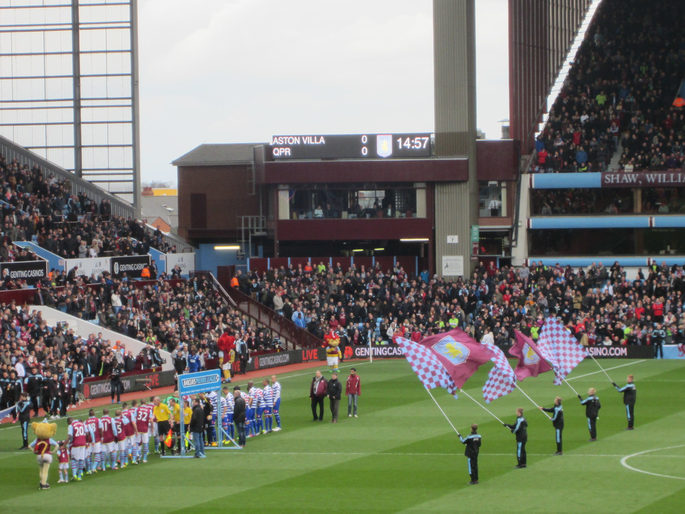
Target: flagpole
443, 412
481, 405
531, 400
566, 382
600, 367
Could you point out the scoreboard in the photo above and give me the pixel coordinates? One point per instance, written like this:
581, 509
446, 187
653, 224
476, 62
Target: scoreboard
351, 146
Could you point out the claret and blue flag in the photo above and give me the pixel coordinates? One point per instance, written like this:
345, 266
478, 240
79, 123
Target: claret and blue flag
563, 351
426, 365
501, 379
531, 360
459, 354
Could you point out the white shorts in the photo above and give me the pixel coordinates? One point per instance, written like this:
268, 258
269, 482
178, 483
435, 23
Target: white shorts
78, 452
122, 446
332, 361
89, 450
143, 438
46, 458
63, 466
109, 447
96, 447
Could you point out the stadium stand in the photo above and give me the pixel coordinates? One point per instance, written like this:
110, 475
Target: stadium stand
73, 226
600, 305
616, 105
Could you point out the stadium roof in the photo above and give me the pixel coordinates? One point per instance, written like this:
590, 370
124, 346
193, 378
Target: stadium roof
218, 155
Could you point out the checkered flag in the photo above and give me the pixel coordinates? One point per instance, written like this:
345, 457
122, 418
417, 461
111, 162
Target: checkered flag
561, 348
427, 366
501, 378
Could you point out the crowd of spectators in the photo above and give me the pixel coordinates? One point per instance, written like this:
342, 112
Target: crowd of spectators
52, 362
188, 316
620, 91
600, 305
40, 209
549, 202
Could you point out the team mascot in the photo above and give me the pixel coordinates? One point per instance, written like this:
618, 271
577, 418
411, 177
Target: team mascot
41, 447
333, 354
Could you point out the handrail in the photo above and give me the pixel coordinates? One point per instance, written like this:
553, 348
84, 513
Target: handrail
293, 336
222, 291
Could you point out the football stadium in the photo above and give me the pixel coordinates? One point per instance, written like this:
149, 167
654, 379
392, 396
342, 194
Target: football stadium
425, 321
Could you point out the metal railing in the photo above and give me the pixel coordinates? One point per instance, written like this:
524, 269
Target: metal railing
292, 336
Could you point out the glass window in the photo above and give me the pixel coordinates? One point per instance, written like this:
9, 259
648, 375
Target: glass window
490, 199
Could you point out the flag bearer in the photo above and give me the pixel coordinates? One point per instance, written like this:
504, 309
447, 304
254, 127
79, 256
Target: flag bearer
472, 447
520, 429
629, 396
592, 407
557, 421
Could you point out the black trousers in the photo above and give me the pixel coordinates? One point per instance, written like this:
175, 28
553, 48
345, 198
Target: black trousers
658, 350
630, 414
115, 386
558, 438
472, 463
240, 432
521, 452
35, 402
64, 403
25, 433
592, 427
317, 401
163, 429
335, 405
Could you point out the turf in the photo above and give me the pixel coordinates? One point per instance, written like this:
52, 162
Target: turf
401, 454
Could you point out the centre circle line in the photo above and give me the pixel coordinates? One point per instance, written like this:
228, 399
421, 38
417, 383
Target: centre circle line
624, 462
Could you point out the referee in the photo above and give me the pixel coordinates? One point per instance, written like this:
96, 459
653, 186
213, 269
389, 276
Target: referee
629, 396
162, 414
472, 447
557, 421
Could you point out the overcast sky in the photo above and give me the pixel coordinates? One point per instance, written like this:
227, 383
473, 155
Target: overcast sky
237, 71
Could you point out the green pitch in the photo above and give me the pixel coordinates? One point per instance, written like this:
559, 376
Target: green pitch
401, 454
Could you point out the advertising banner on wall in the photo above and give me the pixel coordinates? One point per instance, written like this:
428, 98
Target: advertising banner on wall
621, 352
674, 351
185, 261
139, 382
131, 265
30, 271
390, 351
88, 267
669, 178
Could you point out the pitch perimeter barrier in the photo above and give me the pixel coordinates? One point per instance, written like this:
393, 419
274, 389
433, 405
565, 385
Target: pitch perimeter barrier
97, 388
622, 352
393, 351
674, 351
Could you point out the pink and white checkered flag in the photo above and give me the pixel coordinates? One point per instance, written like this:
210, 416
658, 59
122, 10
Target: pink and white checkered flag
427, 366
561, 348
501, 379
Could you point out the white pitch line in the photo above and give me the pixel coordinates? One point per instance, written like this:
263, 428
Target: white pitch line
607, 369
427, 454
624, 462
